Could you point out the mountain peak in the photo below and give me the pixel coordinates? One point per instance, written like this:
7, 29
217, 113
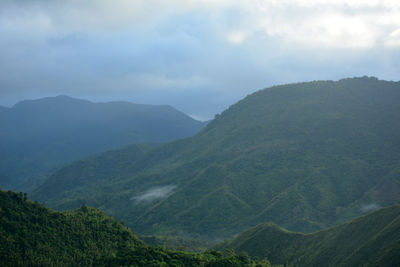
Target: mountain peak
51, 100
40, 134
320, 151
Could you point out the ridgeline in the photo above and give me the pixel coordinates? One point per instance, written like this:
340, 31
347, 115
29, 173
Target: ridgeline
305, 156
33, 235
38, 136
371, 240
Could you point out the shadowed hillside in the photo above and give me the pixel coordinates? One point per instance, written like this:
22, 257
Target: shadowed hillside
39, 135
33, 235
305, 156
371, 240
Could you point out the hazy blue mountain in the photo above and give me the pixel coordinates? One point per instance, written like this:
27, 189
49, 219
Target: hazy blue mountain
39, 135
371, 240
305, 156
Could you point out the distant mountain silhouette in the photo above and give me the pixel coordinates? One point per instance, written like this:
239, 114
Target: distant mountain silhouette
39, 135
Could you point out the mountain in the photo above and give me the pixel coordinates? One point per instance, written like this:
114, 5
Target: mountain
33, 235
305, 156
371, 240
39, 135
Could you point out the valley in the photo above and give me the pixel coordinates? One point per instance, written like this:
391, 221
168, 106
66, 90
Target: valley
39, 136
305, 156
303, 174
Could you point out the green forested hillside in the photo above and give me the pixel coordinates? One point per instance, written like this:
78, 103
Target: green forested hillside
371, 240
305, 156
39, 135
32, 235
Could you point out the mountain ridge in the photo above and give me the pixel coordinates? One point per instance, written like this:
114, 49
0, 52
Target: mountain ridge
33, 235
370, 240
320, 151
42, 134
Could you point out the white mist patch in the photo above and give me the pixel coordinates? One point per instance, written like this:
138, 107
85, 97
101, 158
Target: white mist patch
154, 193
369, 207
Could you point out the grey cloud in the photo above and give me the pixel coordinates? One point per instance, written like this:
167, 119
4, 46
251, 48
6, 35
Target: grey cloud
180, 57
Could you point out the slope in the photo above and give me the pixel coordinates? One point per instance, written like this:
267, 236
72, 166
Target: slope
305, 156
32, 235
39, 135
371, 240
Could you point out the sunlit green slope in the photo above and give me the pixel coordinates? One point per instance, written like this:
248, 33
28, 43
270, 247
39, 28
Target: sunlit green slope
305, 156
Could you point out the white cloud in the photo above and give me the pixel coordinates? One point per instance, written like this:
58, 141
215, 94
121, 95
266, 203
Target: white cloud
394, 39
337, 31
154, 193
236, 37
349, 3
331, 24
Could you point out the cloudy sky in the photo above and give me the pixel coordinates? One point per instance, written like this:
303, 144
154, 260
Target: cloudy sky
199, 56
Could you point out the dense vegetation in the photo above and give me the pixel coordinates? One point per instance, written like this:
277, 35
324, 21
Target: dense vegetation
38, 135
371, 240
305, 156
182, 243
32, 235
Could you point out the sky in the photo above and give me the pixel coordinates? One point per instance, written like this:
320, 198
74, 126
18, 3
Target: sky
199, 56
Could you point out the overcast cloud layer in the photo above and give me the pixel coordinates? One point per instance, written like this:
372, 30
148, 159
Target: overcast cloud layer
198, 56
